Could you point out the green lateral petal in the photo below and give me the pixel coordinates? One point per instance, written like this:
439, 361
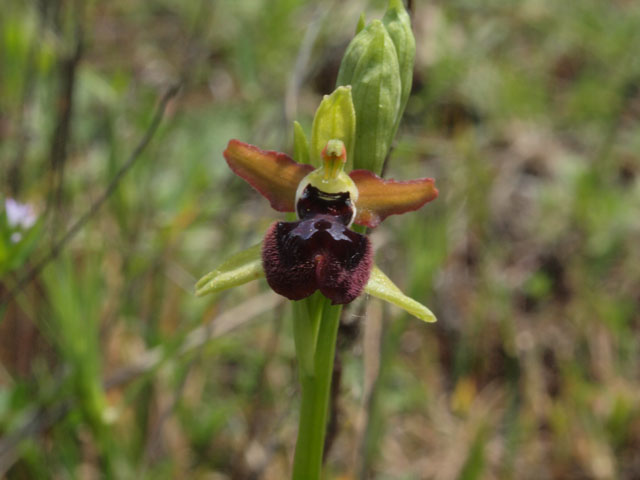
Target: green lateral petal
381, 286
236, 270
273, 174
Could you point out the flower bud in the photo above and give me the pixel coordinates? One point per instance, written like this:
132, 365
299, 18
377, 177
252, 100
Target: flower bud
397, 22
370, 66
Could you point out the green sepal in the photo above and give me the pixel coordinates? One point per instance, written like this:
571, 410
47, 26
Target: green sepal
300, 144
335, 119
398, 24
381, 286
236, 270
370, 66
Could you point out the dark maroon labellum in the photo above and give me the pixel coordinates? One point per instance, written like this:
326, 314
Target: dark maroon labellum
319, 251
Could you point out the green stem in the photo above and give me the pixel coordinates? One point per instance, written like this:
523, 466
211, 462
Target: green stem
316, 388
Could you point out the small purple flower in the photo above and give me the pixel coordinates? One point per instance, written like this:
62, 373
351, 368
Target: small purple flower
19, 215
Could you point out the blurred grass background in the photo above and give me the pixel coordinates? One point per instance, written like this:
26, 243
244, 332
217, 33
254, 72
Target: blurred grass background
527, 114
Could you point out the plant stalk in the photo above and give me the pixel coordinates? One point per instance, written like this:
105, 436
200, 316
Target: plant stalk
316, 389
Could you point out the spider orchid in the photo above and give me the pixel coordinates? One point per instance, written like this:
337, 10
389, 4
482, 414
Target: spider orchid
318, 260
319, 251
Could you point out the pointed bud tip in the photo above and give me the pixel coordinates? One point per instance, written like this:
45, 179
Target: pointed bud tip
395, 5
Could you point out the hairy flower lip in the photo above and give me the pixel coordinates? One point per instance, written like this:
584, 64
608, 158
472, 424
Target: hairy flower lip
316, 253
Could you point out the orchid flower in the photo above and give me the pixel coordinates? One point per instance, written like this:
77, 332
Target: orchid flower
319, 251
322, 259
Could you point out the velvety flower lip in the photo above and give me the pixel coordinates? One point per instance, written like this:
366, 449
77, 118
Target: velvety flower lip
316, 253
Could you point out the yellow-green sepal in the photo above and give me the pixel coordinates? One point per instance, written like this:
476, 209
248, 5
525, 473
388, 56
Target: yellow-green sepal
238, 269
382, 287
335, 119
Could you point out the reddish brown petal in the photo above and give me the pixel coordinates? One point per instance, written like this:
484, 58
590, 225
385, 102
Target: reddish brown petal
379, 198
273, 174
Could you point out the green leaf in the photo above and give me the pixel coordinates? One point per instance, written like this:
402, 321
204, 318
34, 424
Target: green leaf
237, 270
381, 286
300, 144
335, 119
